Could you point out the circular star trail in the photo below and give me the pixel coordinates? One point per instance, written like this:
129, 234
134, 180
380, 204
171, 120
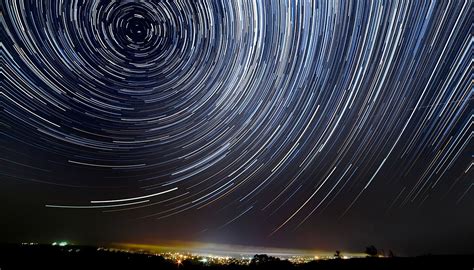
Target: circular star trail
277, 107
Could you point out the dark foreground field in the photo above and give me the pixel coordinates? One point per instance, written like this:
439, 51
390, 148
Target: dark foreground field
80, 257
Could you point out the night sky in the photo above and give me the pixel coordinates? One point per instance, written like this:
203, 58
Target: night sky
295, 124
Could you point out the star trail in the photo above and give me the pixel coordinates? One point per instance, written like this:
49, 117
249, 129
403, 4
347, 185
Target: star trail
269, 114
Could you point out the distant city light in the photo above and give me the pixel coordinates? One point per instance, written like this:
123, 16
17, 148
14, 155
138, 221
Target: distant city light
61, 244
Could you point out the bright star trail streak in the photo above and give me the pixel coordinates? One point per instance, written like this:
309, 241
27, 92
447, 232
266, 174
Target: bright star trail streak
273, 108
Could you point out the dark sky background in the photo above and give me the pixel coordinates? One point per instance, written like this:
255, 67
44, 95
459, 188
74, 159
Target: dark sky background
286, 124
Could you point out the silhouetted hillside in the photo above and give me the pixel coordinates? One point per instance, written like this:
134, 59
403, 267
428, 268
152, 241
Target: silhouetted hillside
84, 257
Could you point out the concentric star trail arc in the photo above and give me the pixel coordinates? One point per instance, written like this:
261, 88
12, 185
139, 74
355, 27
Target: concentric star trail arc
274, 108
